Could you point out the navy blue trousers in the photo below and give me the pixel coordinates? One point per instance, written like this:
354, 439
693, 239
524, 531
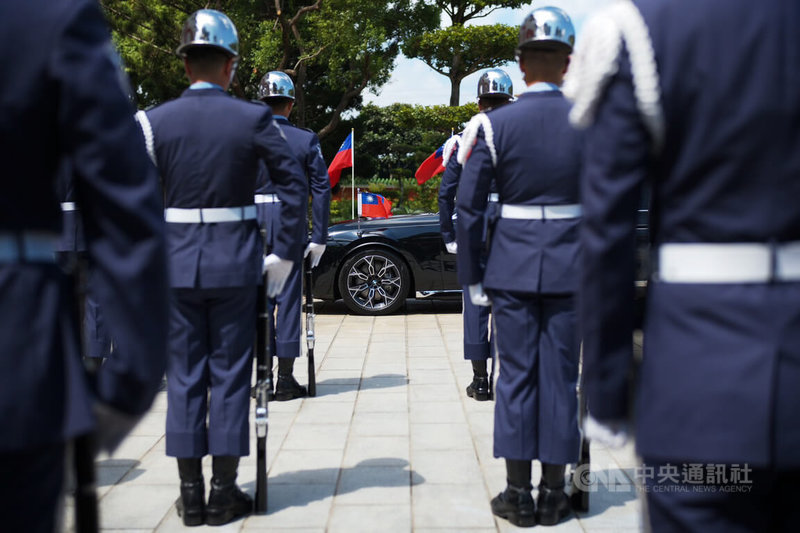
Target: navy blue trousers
766, 501
208, 371
536, 400
476, 329
286, 321
31, 489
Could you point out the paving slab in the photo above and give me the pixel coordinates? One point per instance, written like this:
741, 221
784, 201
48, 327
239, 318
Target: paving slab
391, 443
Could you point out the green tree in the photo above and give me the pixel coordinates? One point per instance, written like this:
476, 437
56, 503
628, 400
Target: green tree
460, 50
334, 49
394, 140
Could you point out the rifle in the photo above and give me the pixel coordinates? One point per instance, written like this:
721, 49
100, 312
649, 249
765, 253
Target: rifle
86, 518
86, 515
581, 476
310, 339
492, 214
262, 390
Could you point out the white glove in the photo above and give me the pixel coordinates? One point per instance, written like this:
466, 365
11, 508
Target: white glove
452, 247
611, 434
277, 271
477, 296
316, 251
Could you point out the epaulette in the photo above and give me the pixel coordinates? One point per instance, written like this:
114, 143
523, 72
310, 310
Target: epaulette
596, 60
470, 136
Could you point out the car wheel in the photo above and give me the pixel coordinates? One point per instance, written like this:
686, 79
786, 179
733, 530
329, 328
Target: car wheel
374, 282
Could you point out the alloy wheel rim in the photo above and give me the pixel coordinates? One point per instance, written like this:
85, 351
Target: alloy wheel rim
373, 282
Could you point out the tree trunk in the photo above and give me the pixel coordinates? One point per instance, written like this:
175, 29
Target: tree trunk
455, 80
455, 91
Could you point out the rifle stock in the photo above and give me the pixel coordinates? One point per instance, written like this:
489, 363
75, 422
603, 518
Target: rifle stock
581, 477
310, 339
86, 514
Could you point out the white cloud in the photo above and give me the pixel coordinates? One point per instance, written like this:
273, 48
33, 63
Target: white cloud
413, 82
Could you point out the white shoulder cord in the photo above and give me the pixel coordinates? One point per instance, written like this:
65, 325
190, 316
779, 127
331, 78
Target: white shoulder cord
596, 60
450, 147
470, 136
147, 130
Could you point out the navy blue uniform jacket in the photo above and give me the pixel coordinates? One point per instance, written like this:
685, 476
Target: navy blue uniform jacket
66, 101
447, 195
721, 365
536, 165
306, 148
208, 149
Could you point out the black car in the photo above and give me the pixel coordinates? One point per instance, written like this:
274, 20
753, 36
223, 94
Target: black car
376, 264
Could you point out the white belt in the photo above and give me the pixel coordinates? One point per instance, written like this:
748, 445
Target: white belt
33, 246
209, 215
494, 197
540, 212
267, 199
68, 206
728, 262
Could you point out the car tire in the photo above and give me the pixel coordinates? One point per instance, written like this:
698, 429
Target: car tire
374, 281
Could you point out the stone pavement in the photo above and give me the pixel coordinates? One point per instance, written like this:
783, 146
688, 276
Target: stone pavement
390, 443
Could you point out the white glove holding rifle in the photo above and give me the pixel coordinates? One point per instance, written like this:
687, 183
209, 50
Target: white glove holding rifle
316, 251
477, 296
277, 271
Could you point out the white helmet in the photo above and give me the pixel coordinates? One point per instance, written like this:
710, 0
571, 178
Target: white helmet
208, 27
495, 83
276, 84
547, 27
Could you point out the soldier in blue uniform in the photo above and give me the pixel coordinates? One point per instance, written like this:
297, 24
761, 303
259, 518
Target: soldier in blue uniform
208, 147
705, 111
494, 90
66, 102
72, 249
533, 155
277, 90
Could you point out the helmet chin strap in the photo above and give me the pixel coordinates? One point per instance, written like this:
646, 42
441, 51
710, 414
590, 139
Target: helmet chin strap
233, 71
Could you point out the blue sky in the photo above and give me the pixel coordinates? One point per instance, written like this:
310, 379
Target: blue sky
414, 82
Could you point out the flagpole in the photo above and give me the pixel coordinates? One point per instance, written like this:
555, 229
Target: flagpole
352, 173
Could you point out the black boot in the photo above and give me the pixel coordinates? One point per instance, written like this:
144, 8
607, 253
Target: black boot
479, 388
192, 503
552, 503
515, 504
226, 501
287, 388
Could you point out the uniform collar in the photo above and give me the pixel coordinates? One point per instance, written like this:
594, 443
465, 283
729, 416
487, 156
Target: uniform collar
280, 117
205, 85
541, 87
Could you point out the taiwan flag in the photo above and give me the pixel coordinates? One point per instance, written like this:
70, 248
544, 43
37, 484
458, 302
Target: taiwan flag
431, 166
373, 205
343, 159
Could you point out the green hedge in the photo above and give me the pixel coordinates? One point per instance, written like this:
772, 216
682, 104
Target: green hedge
410, 199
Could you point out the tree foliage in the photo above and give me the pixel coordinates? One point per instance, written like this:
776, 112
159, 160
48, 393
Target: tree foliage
394, 140
459, 50
334, 49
